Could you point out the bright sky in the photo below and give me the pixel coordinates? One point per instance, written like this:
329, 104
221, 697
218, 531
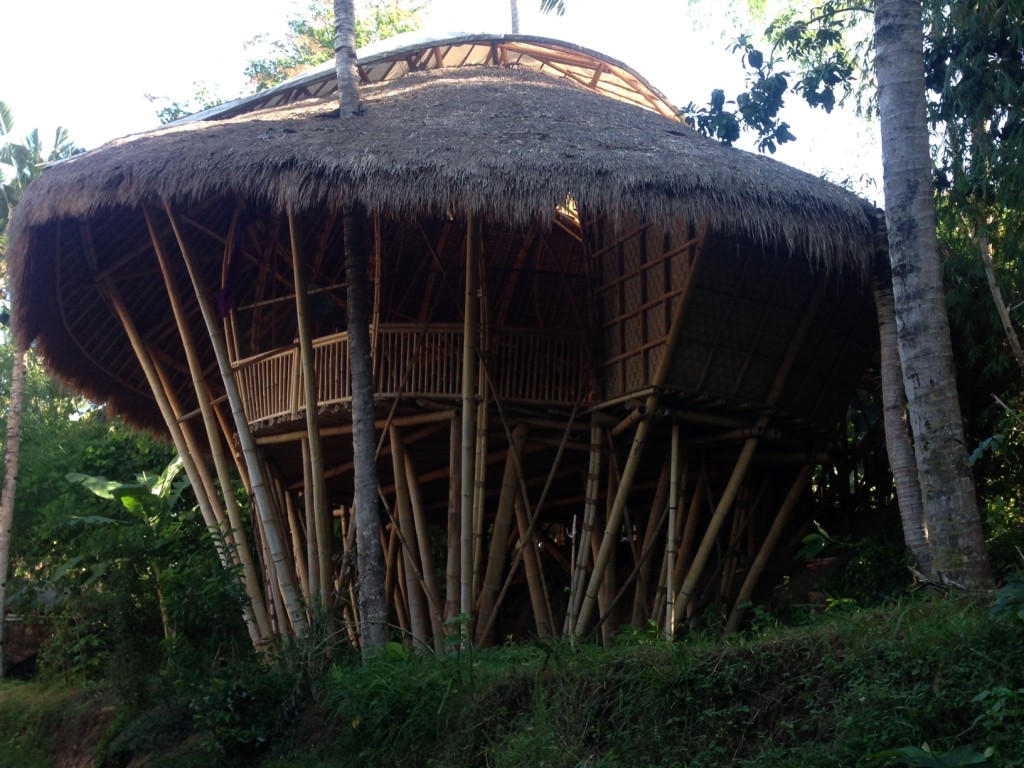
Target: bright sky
89, 65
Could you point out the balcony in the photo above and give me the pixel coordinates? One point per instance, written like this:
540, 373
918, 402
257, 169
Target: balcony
528, 367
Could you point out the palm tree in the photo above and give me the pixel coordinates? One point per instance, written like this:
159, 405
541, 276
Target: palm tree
25, 161
369, 555
954, 533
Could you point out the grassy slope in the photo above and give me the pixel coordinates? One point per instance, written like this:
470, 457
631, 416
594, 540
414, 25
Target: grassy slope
824, 695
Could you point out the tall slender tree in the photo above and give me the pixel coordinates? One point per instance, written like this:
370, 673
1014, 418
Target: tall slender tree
369, 555
952, 522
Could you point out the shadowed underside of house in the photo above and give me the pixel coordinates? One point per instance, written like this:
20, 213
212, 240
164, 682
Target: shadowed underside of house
661, 340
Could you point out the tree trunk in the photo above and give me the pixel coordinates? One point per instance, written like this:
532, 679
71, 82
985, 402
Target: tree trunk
369, 555
514, 8
953, 524
11, 457
897, 436
985, 251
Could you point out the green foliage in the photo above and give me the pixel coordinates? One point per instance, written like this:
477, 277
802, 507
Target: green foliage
310, 38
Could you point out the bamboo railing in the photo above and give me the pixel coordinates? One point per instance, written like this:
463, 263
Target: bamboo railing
526, 366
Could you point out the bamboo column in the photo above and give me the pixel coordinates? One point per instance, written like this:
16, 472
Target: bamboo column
407, 532
593, 486
274, 543
500, 533
453, 605
469, 392
747, 452
641, 603
309, 512
768, 547
426, 553
324, 536
670, 544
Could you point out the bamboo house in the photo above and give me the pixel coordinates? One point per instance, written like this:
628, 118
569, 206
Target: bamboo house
608, 353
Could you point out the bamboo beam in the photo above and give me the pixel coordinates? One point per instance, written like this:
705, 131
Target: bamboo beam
346, 429
641, 603
321, 591
261, 492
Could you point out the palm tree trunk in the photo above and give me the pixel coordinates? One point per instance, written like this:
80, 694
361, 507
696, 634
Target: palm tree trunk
11, 458
897, 437
369, 555
951, 514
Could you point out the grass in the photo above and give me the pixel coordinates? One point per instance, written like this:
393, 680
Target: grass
940, 672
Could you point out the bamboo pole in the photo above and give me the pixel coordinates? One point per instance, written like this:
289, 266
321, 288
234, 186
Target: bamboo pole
768, 547
250, 579
261, 493
670, 544
298, 547
747, 453
683, 550
324, 538
426, 555
480, 487
534, 574
452, 581
503, 520
636, 451
191, 466
407, 532
312, 532
469, 397
641, 600
591, 494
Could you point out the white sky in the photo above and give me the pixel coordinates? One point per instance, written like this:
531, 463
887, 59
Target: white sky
89, 65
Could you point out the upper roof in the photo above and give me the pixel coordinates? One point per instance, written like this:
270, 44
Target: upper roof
413, 52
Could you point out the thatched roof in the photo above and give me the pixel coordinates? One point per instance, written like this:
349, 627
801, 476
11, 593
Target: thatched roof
508, 144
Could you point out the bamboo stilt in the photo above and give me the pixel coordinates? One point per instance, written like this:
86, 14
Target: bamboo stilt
321, 513
256, 475
298, 547
579, 576
503, 521
407, 531
641, 597
426, 556
258, 633
469, 403
768, 547
312, 530
454, 536
670, 544
479, 491
534, 574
